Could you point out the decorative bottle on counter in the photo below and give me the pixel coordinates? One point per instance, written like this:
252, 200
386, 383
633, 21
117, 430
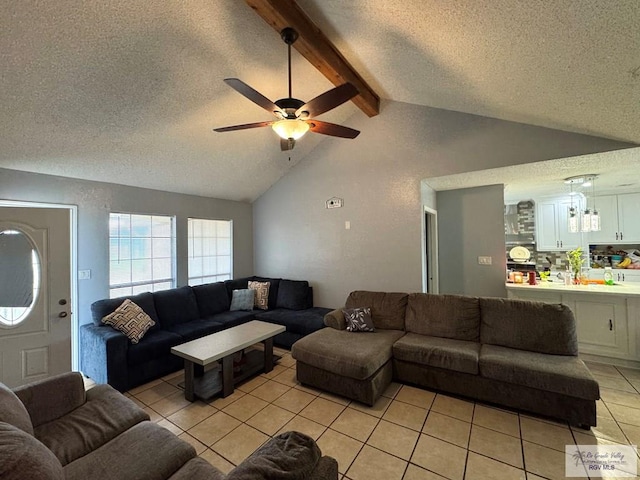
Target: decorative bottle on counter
608, 276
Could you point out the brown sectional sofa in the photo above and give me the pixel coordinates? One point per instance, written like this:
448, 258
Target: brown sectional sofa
514, 353
54, 430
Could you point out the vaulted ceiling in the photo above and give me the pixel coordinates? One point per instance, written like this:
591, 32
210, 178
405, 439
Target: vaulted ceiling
129, 91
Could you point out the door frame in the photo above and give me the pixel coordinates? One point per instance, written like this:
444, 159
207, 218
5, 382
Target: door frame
73, 211
430, 274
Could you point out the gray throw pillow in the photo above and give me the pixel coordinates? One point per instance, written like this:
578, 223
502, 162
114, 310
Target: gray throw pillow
358, 319
242, 300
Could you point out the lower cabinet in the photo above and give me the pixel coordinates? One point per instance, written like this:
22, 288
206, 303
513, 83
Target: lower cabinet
602, 324
606, 324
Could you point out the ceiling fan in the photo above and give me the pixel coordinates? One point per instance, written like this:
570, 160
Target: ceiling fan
294, 117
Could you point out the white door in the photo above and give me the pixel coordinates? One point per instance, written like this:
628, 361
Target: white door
35, 294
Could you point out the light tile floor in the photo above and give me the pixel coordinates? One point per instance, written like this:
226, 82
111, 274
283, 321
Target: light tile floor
409, 434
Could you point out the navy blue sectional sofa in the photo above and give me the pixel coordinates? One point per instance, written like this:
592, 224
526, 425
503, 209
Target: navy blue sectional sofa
183, 314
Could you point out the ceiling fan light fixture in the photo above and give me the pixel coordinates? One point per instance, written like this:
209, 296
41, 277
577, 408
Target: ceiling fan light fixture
290, 128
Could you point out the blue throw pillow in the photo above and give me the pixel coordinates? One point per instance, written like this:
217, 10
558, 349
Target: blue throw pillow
242, 300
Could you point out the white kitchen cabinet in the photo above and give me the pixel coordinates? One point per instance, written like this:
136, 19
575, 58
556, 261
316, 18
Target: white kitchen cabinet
619, 219
602, 325
629, 217
628, 275
552, 220
619, 274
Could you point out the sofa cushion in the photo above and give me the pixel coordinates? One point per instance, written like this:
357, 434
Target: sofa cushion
155, 344
211, 298
447, 353
23, 456
198, 468
42, 406
196, 329
293, 294
564, 374
131, 320
177, 305
242, 300
448, 316
145, 301
261, 298
231, 319
236, 284
534, 326
358, 319
144, 452
290, 455
104, 416
346, 354
13, 411
274, 284
302, 322
387, 309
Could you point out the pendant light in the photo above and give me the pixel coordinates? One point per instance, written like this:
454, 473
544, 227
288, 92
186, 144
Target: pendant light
588, 220
595, 217
585, 220
573, 213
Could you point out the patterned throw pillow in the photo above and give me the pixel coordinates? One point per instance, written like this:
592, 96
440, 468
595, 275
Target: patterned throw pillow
358, 319
262, 294
242, 300
130, 319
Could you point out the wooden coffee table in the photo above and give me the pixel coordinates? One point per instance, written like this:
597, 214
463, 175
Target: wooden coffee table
199, 353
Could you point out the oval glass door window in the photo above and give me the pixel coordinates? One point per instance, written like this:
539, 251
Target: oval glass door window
19, 277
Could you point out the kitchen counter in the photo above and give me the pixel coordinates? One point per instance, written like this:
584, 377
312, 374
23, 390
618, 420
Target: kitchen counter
624, 289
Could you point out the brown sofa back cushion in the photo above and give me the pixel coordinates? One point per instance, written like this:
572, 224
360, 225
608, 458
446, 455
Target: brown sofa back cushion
534, 326
387, 309
446, 316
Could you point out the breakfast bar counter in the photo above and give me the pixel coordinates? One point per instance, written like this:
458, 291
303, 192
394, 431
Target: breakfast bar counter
607, 317
624, 289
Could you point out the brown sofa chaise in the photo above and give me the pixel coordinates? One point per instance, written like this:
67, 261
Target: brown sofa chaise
514, 353
53, 429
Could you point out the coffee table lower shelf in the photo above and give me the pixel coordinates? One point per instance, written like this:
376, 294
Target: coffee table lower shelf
209, 383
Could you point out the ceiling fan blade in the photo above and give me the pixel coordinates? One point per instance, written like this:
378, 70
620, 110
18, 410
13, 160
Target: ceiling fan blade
242, 127
253, 95
287, 144
328, 100
332, 129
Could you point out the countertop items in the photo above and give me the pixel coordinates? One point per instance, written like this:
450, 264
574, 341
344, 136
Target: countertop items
625, 289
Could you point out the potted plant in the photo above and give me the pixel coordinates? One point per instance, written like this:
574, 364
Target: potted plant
576, 260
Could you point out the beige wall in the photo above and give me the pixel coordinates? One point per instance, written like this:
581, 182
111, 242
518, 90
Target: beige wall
379, 176
95, 200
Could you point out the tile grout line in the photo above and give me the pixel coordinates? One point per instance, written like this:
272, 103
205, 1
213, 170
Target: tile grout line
315, 393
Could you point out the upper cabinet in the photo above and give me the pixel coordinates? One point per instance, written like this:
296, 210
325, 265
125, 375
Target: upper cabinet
619, 219
552, 220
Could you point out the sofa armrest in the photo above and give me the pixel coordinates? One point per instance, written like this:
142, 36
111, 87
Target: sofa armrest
335, 319
103, 355
53, 397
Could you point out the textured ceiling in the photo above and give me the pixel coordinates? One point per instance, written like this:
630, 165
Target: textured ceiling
128, 91
616, 172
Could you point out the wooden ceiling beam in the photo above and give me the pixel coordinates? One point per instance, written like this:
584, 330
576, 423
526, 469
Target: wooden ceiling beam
317, 49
